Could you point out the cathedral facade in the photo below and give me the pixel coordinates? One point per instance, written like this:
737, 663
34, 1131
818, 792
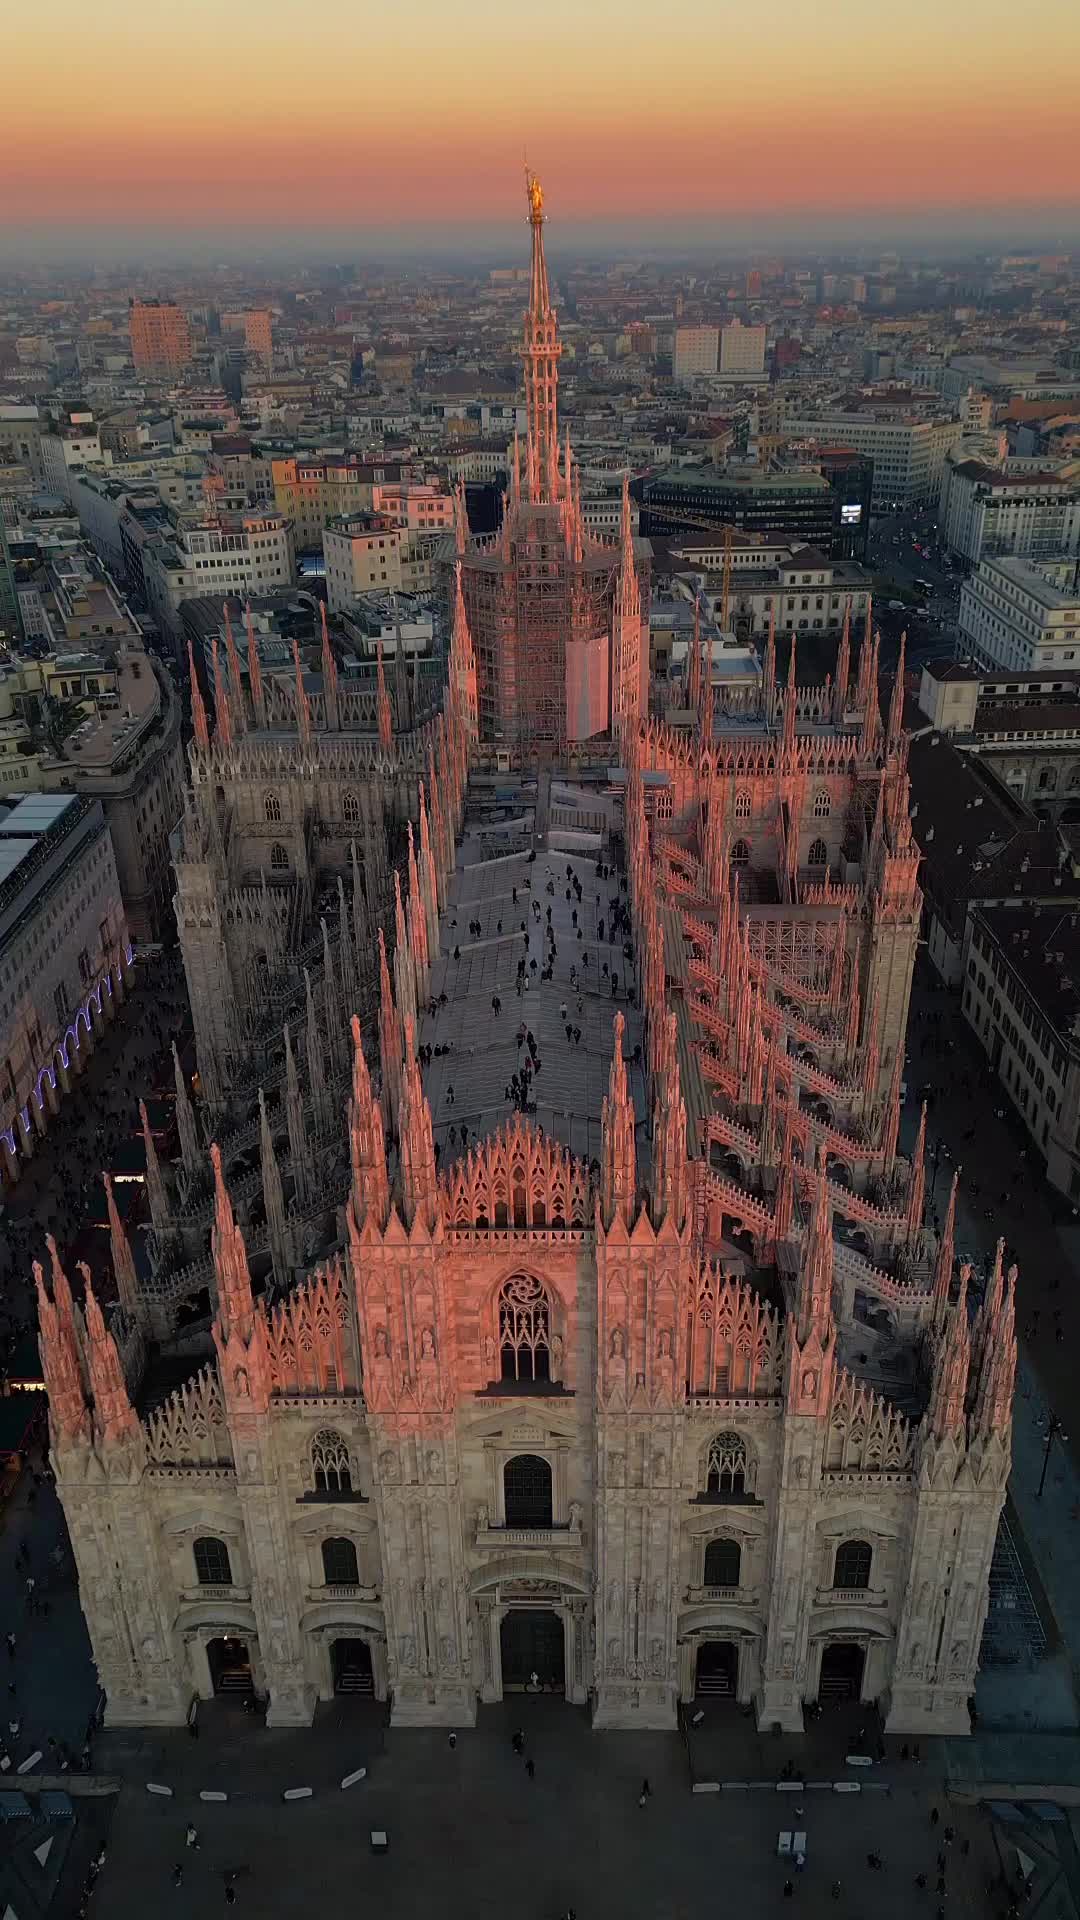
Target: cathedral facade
681, 1396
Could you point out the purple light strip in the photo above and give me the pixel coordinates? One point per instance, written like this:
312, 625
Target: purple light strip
47, 1074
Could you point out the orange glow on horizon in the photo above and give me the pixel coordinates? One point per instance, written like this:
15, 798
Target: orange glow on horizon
364, 120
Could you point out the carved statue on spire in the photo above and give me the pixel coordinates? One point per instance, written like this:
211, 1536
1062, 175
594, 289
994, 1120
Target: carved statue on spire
303, 710
945, 1414
127, 1286
255, 682
331, 701
367, 1148
618, 1161
198, 710
416, 1140
114, 1415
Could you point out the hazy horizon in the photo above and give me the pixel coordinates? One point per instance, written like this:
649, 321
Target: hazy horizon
955, 233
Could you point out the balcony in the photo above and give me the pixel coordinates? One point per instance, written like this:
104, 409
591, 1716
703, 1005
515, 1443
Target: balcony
567, 1535
850, 1597
737, 1596
199, 1595
344, 1590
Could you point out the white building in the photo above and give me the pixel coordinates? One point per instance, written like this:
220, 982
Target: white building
1020, 616
1020, 507
63, 957
362, 552
908, 449
696, 351
742, 351
241, 553
75, 444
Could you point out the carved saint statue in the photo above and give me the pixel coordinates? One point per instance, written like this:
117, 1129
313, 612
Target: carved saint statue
618, 1345
388, 1465
427, 1344
809, 1384
575, 1513
382, 1344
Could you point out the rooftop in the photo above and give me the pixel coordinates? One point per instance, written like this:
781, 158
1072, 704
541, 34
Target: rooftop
503, 827
1042, 946
1028, 577
977, 842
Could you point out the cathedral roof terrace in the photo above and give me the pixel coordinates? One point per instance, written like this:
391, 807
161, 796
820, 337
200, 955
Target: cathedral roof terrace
551, 835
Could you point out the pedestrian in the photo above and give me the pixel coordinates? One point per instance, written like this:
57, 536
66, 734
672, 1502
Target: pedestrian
230, 1895
836, 1889
178, 1875
934, 1816
518, 1741
452, 1742
646, 1790
11, 1646
789, 1888
192, 1836
530, 1767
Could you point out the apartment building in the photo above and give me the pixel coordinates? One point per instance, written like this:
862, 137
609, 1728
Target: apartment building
71, 444
908, 448
363, 554
102, 499
1021, 995
696, 352
312, 492
160, 337
1022, 617
256, 326
64, 958
241, 553
1021, 507
799, 591
742, 352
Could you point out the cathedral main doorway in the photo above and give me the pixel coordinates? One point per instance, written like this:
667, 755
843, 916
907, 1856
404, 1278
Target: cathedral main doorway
717, 1674
841, 1671
230, 1666
532, 1640
350, 1662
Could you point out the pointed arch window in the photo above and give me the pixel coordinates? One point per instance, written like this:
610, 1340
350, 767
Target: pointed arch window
524, 1329
350, 807
822, 804
740, 854
818, 855
279, 859
331, 1464
726, 1465
272, 808
340, 1568
742, 804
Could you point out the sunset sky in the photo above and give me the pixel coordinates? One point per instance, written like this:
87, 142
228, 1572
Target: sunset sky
358, 118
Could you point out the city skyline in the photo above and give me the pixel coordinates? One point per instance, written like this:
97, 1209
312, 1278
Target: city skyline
850, 125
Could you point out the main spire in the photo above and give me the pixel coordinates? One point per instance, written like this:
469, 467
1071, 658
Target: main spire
541, 355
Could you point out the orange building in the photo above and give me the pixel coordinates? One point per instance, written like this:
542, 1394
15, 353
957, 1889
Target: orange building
160, 336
